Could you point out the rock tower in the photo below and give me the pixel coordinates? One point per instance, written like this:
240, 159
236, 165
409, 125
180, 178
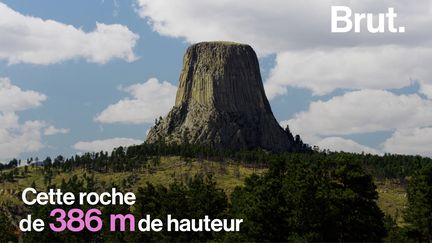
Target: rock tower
221, 102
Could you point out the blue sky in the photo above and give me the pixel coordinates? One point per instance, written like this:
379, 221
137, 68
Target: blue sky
78, 90
347, 92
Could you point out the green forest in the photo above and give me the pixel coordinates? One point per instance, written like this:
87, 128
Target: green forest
303, 196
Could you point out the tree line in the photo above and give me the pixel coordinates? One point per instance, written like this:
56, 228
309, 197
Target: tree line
309, 196
134, 157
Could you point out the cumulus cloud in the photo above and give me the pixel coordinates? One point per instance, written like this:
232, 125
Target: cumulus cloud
338, 144
19, 137
426, 89
149, 100
363, 111
367, 111
27, 39
278, 25
51, 130
409, 117
16, 137
13, 98
322, 71
416, 141
105, 145
298, 31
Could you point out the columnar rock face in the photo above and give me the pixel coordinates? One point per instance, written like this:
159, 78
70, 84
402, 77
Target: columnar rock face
221, 102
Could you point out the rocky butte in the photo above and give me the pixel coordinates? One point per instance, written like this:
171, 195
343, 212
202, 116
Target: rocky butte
221, 102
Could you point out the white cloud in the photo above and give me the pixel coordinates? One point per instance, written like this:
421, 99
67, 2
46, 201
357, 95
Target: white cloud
51, 130
340, 144
149, 101
12, 98
298, 31
383, 67
278, 25
416, 141
426, 89
105, 145
264, 25
27, 39
366, 111
361, 112
19, 137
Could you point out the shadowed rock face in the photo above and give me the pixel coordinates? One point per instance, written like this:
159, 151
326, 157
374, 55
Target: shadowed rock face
221, 102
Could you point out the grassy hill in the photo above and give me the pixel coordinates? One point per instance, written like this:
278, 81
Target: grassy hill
392, 198
169, 169
228, 175
392, 195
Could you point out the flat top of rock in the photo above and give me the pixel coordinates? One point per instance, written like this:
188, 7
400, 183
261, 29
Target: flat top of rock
218, 43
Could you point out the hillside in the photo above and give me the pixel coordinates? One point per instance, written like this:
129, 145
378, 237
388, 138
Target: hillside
170, 168
299, 193
392, 195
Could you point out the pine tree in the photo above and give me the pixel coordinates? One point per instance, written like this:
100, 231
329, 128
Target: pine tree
419, 211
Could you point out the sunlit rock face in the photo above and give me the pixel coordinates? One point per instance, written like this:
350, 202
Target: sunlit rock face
221, 102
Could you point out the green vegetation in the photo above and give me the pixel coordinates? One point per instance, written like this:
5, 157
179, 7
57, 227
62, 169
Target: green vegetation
311, 196
168, 170
310, 201
419, 212
392, 198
